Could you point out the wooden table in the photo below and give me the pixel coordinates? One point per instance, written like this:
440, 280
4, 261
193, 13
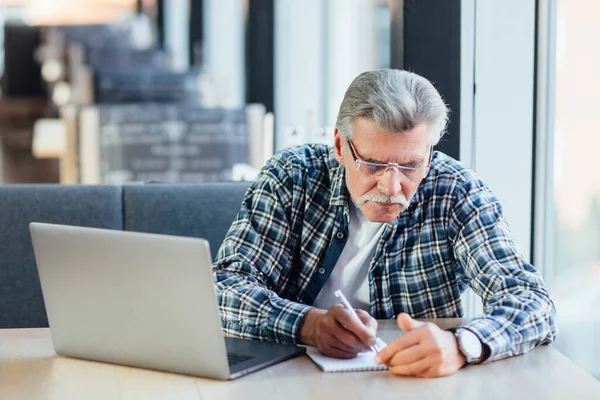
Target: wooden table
29, 369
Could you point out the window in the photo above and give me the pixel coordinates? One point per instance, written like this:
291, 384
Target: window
568, 237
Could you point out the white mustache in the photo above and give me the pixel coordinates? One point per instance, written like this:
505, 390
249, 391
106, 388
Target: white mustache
381, 198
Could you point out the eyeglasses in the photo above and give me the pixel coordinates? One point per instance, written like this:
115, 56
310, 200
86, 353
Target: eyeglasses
377, 169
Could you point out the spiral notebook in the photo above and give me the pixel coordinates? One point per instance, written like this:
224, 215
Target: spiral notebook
362, 362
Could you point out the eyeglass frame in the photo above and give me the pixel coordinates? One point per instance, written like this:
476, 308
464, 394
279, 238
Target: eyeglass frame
359, 161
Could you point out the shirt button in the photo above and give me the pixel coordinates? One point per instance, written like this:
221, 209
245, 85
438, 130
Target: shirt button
339, 235
322, 271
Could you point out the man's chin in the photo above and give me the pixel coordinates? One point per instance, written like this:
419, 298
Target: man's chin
381, 212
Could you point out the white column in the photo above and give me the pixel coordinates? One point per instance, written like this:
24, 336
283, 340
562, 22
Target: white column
504, 107
320, 47
496, 115
351, 48
544, 169
177, 32
224, 50
467, 75
472, 304
299, 46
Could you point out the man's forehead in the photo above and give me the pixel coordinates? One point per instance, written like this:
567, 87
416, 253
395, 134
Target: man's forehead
376, 144
367, 127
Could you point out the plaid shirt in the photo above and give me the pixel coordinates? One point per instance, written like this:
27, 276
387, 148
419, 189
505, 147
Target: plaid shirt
293, 225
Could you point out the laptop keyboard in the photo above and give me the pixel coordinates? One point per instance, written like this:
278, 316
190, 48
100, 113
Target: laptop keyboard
235, 358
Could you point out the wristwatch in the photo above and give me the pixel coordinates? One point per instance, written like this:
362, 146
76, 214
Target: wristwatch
470, 345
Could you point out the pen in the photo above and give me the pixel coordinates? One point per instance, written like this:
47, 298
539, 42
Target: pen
338, 293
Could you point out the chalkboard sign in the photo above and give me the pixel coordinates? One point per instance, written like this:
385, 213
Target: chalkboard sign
109, 48
146, 85
161, 142
113, 59
96, 35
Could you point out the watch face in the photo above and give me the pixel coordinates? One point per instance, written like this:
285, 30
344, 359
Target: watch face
470, 345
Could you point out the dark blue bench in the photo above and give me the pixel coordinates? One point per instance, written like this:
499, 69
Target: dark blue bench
198, 210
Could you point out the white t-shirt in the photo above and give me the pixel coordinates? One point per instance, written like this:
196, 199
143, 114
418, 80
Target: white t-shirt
351, 270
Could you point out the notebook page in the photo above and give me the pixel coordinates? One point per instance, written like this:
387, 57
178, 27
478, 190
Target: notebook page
362, 362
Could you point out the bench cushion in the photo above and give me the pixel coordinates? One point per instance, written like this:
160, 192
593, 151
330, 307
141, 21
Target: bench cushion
21, 302
204, 210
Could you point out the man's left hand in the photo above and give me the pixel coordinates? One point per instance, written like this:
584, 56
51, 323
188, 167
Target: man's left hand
424, 350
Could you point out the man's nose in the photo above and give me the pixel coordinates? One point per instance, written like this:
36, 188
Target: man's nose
390, 182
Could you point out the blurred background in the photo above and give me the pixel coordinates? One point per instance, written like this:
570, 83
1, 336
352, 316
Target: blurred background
123, 91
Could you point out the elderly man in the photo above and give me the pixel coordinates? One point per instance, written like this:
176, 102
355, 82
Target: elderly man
400, 228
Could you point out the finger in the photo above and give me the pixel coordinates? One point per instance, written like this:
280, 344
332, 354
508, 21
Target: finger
407, 323
368, 321
413, 369
408, 356
349, 339
430, 372
349, 321
351, 353
335, 341
331, 331
400, 343
335, 352
437, 371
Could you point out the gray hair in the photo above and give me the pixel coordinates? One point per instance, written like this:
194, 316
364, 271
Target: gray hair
397, 101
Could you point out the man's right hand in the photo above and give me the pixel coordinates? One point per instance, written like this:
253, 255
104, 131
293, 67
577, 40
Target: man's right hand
337, 333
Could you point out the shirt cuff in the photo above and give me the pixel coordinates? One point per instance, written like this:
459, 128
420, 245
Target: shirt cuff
491, 333
283, 323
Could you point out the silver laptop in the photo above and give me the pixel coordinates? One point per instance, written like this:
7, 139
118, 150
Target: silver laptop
140, 299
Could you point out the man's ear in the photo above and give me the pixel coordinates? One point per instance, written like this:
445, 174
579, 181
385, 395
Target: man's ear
338, 143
